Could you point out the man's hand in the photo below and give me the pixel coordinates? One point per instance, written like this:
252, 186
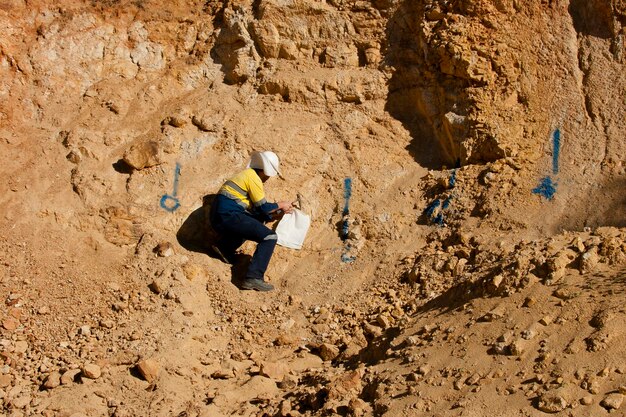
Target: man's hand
285, 206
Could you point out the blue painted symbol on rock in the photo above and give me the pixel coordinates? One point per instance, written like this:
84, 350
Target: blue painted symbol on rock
170, 202
547, 186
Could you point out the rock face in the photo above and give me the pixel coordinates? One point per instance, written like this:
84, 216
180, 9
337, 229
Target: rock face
462, 162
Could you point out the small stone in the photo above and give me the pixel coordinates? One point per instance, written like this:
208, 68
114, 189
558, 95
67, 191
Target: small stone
177, 120
107, 324
458, 384
529, 302
92, 371
474, 379
530, 333
85, 330
43, 310
383, 321
497, 281
612, 401
274, 370
5, 380
372, 330
21, 346
10, 324
589, 260
565, 293
69, 376
149, 369
206, 123
622, 389
287, 325
328, 352
192, 271
288, 382
357, 407
286, 340
224, 373
518, 347
52, 381
21, 402
285, 408
546, 320
74, 156
143, 155
552, 403
586, 400
424, 370
164, 249
158, 286
294, 300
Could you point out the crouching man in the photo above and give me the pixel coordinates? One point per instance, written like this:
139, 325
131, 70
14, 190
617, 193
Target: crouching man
239, 212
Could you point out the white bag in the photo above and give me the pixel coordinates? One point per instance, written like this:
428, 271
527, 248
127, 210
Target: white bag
292, 229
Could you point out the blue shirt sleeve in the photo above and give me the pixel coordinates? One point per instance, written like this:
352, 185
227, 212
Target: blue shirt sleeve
263, 211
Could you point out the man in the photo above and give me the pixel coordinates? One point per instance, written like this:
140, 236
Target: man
238, 213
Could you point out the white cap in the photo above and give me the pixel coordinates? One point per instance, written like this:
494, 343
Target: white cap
266, 161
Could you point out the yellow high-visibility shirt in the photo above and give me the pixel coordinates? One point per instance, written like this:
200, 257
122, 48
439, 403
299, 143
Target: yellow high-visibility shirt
245, 188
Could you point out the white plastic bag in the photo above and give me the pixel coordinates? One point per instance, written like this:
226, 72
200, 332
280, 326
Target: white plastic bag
292, 229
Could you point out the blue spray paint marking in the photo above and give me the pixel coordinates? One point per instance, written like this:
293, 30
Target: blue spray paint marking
170, 202
556, 150
430, 210
347, 193
453, 176
434, 211
345, 225
547, 187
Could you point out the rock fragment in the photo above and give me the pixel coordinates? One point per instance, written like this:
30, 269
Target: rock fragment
552, 403
158, 286
149, 369
5, 380
274, 370
529, 302
52, 381
288, 382
92, 371
586, 400
21, 346
589, 260
69, 376
143, 155
612, 401
10, 324
206, 122
164, 249
328, 352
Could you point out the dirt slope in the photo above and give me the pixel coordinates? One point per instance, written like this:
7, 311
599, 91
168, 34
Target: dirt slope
483, 270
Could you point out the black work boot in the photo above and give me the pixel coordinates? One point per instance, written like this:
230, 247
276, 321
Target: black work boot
256, 284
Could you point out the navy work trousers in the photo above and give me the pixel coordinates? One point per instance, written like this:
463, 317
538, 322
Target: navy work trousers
234, 228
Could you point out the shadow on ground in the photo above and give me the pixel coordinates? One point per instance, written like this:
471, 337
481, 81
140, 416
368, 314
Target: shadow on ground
197, 235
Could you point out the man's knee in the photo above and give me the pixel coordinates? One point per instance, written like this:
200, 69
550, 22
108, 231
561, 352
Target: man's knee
272, 237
